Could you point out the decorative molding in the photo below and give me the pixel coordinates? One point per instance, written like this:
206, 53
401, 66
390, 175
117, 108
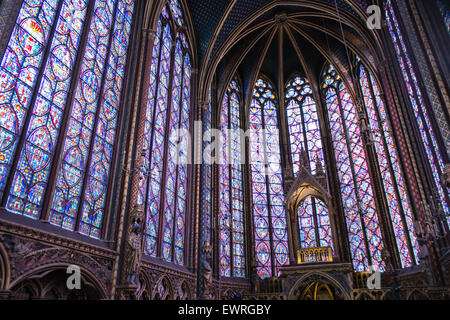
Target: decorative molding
52, 239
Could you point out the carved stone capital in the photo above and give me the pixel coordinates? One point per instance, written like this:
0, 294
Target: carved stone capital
150, 33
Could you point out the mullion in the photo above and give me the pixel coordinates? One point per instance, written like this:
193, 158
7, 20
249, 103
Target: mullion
288, 101
305, 135
316, 224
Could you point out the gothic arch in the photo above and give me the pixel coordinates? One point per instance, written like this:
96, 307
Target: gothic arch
418, 294
341, 290
163, 290
327, 11
151, 16
4, 268
184, 292
144, 291
49, 282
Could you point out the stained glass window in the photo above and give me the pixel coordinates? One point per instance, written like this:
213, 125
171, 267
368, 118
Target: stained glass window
164, 173
314, 224
357, 195
269, 215
303, 123
231, 201
37, 74
394, 185
423, 118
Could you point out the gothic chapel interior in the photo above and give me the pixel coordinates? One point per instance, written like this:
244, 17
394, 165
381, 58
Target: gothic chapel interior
214, 149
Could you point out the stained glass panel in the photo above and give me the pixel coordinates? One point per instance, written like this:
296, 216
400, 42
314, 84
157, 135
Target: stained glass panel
303, 123
394, 186
269, 216
231, 216
36, 157
164, 149
81, 123
357, 195
420, 111
19, 71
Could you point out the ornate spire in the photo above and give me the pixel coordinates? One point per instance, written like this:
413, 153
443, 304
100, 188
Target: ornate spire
303, 159
319, 168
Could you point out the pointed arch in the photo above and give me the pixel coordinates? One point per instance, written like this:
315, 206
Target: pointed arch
363, 226
163, 189
64, 80
231, 212
393, 182
271, 244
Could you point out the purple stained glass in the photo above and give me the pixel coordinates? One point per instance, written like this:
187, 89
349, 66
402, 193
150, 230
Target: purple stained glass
394, 185
36, 157
99, 172
357, 195
306, 224
231, 216
267, 183
82, 119
19, 71
303, 123
171, 174
426, 130
157, 150
314, 224
177, 13
166, 114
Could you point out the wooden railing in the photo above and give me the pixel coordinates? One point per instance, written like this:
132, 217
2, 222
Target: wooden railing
314, 255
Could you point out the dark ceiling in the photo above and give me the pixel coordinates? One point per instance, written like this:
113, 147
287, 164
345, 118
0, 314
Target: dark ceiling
207, 14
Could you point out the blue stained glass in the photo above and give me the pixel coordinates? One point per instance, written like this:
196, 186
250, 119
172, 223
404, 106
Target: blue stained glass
34, 162
166, 114
37, 154
267, 182
420, 111
19, 69
105, 130
303, 123
232, 257
387, 157
357, 193
81, 123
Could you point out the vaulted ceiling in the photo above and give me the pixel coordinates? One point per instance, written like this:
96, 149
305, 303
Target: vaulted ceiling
220, 17
244, 35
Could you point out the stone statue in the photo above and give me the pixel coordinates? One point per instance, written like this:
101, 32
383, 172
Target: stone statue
207, 270
133, 246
